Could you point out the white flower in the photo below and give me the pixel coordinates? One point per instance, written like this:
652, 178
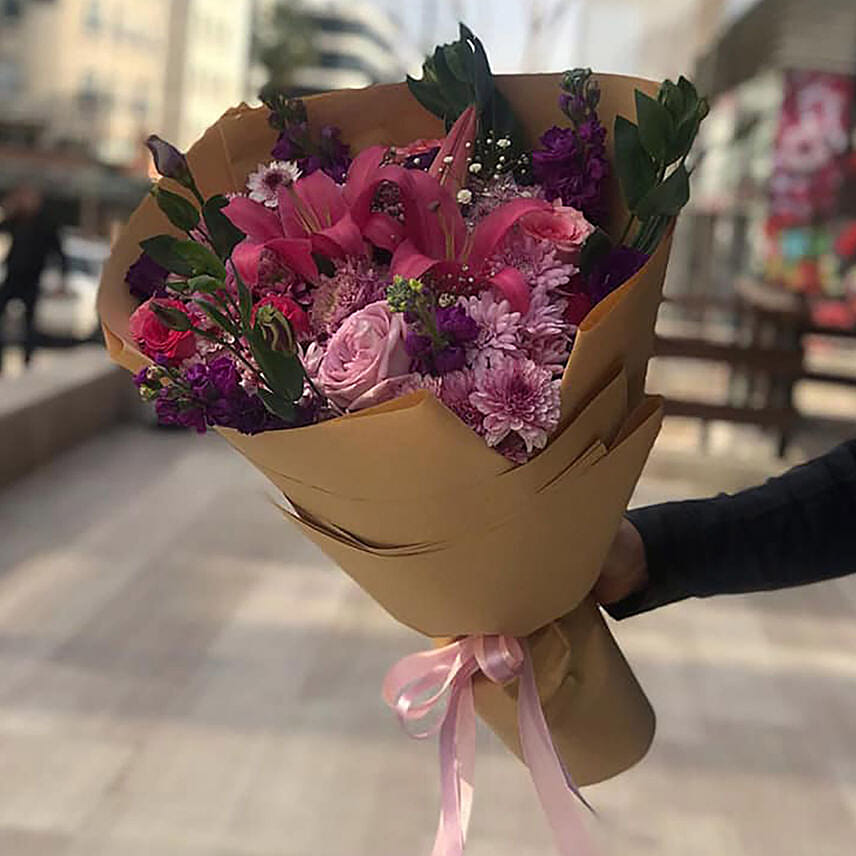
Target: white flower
475, 168
264, 183
464, 196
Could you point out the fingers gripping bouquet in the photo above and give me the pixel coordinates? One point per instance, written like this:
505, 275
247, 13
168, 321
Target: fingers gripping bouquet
424, 311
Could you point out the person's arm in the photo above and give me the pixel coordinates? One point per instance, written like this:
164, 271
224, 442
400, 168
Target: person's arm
795, 529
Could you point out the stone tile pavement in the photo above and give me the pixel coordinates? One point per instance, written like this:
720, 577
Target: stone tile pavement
182, 675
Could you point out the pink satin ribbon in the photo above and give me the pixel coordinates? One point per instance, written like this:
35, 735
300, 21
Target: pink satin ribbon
416, 687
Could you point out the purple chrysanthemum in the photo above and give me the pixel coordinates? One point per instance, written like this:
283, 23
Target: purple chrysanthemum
538, 260
455, 392
545, 333
498, 327
518, 397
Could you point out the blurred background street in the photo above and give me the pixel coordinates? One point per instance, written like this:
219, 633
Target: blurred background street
181, 674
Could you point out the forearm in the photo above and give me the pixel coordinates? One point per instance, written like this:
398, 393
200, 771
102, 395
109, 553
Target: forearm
795, 529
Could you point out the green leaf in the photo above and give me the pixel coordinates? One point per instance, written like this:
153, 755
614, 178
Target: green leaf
667, 198
245, 299
636, 171
689, 92
427, 96
164, 250
283, 372
684, 137
656, 127
278, 406
180, 212
174, 318
218, 317
225, 235
595, 248
204, 283
185, 258
201, 259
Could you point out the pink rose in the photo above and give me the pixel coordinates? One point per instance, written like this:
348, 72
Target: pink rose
155, 338
565, 227
368, 348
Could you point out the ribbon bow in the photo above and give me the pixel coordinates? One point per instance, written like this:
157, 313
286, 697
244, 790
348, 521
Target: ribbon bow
415, 689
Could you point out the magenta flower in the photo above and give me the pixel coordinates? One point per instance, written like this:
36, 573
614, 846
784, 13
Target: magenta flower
518, 397
313, 215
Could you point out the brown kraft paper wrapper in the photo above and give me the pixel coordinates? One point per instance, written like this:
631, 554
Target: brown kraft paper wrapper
445, 533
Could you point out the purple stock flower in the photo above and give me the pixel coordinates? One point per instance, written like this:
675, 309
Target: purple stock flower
613, 270
450, 359
333, 156
444, 351
456, 325
571, 165
196, 377
224, 376
146, 278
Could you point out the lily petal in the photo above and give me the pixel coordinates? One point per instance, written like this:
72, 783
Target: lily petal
457, 146
362, 168
341, 239
297, 254
383, 231
245, 258
311, 204
512, 285
408, 262
495, 226
256, 221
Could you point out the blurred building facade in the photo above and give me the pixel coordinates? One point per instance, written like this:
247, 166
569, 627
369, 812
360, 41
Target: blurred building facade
208, 64
355, 44
99, 75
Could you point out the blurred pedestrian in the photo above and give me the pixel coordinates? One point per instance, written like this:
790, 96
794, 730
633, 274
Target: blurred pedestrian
35, 238
795, 529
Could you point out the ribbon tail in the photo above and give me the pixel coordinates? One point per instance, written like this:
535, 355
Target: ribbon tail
552, 782
457, 765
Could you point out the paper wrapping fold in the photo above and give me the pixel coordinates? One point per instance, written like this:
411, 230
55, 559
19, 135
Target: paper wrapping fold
441, 530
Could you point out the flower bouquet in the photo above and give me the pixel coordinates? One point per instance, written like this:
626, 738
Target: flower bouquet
424, 311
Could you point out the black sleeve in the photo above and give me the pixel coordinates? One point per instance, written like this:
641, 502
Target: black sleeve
795, 529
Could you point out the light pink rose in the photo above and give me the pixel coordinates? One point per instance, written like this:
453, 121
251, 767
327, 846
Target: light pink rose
564, 227
368, 348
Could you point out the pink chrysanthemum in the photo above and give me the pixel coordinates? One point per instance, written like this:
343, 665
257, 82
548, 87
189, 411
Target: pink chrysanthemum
545, 334
455, 392
264, 183
538, 260
354, 285
491, 194
518, 397
499, 327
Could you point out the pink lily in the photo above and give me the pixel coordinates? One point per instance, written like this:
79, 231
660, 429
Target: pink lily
438, 242
450, 165
313, 216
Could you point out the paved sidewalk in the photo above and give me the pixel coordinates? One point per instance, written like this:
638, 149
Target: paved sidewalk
182, 675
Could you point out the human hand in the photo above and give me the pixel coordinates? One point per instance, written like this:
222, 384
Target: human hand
625, 569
